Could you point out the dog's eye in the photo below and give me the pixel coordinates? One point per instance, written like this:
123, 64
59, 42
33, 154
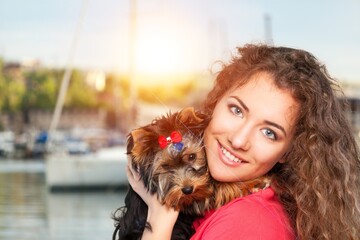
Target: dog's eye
192, 157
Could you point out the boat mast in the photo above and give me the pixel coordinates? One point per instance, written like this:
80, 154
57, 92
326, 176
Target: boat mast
68, 71
268, 32
132, 118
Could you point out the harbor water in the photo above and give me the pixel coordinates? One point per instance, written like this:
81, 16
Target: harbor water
28, 211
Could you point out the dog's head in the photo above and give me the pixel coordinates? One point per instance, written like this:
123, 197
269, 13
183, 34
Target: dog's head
170, 157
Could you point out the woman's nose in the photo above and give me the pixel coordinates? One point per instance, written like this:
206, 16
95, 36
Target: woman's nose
240, 138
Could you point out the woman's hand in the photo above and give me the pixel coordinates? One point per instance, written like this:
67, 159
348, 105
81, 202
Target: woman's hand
137, 185
161, 218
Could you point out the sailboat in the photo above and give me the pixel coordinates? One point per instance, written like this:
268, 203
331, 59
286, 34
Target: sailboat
102, 169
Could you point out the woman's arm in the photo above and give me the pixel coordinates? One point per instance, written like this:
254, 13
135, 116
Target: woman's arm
161, 218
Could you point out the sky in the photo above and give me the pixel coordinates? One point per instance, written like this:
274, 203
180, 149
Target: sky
176, 36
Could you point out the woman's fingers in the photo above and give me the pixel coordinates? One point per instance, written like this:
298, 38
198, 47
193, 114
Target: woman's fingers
132, 175
135, 182
130, 170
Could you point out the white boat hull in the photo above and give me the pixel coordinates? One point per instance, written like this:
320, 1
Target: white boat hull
105, 168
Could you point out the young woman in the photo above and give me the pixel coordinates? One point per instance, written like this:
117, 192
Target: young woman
275, 111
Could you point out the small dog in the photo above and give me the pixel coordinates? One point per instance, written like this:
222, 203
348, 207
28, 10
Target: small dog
170, 157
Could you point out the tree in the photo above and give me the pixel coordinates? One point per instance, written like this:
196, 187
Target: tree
41, 90
79, 93
2, 84
12, 93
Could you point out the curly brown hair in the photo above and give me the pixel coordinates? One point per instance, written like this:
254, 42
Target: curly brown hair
319, 182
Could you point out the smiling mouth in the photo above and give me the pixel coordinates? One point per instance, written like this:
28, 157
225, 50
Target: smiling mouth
229, 156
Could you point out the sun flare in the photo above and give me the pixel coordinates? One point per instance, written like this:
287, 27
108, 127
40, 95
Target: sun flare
157, 54
161, 48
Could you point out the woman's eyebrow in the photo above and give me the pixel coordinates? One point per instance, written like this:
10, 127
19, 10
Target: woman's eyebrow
276, 126
243, 105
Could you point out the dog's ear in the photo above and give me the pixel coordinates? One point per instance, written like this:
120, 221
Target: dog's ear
129, 144
189, 115
195, 121
143, 142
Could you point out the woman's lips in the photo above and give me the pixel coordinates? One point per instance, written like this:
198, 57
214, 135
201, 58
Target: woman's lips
228, 158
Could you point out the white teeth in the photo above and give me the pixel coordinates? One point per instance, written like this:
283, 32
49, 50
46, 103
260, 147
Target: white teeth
230, 156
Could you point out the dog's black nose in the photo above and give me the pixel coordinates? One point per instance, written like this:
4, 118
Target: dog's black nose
187, 189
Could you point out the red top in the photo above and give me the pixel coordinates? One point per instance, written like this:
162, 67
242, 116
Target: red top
254, 217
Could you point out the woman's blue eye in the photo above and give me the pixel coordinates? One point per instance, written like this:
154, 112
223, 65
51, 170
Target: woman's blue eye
269, 134
237, 111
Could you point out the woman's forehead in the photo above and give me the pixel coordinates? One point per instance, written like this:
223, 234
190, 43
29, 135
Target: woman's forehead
264, 98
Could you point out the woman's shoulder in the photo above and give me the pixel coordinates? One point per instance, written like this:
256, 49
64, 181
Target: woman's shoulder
260, 200
262, 204
259, 215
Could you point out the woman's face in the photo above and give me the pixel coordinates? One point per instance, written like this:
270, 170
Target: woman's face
250, 131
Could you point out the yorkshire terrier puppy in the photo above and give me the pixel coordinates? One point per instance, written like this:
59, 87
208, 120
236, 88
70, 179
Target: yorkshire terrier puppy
170, 157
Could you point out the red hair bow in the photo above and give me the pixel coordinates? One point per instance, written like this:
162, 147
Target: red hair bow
175, 137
